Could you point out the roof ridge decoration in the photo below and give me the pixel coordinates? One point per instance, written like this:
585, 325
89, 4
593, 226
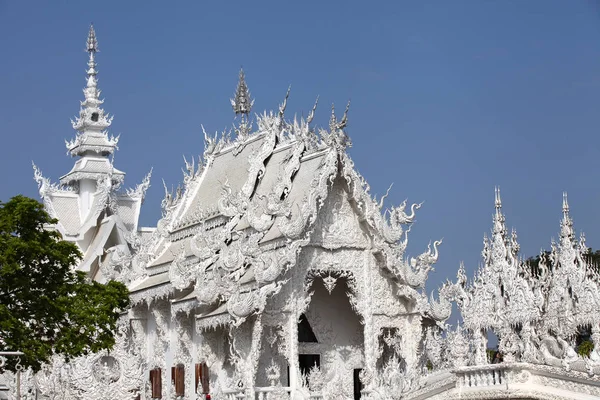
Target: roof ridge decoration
391, 240
337, 136
271, 125
139, 192
212, 246
261, 217
45, 189
235, 204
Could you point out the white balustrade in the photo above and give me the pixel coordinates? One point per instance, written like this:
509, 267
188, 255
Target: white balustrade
263, 393
490, 375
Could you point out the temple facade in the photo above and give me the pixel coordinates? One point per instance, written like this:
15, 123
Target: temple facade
275, 274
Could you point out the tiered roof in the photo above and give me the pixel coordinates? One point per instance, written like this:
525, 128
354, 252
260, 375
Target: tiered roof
229, 235
92, 122
79, 213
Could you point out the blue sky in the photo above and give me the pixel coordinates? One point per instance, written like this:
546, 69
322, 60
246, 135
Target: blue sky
449, 99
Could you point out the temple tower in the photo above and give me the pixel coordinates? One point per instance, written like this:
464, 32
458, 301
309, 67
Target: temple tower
91, 144
90, 208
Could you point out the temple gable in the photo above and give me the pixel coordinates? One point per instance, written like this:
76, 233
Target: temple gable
337, 224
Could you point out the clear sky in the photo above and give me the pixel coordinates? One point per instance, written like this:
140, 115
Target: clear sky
449, 98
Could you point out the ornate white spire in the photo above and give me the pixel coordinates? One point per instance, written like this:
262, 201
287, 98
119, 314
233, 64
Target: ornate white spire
497, 200
499, 219
92, 121
567, 234
92, 43
565, 206
92, 139
241, 103
92, 93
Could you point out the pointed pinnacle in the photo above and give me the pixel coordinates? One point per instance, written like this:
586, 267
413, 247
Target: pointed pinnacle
92, 42
497, 199
283, 106
344, 120
333, 119
565, 205
311, 115
241, 102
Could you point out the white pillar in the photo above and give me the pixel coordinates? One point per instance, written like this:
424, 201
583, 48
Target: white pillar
293, 350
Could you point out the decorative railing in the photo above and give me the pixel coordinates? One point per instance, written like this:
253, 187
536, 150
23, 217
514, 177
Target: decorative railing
264, 393
506, 380
488, 375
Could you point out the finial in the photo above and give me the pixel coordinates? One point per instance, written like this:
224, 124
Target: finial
283, 106
241, 103
332, 119
336, 129
334, 125
498, 218
497, 199
565, 206
311, 115
92, 43
344, 120
92, 49
566, 225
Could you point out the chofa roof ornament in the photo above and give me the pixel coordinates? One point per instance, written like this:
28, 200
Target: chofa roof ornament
337, 136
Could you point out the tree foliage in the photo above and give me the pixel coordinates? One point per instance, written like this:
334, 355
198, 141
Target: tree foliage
46, 307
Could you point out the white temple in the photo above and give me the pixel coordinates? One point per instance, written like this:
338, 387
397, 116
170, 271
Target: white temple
275, 274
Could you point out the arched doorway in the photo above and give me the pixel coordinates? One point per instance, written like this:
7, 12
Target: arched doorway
331, 340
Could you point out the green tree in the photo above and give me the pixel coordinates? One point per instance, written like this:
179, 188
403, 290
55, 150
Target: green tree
46, 307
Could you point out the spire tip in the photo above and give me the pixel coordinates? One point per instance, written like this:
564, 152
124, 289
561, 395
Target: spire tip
92, 42
565, 205
241, 103
497, 199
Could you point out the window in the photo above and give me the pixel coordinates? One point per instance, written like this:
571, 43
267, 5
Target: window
202, 382
178, 379
156, 383
95, 117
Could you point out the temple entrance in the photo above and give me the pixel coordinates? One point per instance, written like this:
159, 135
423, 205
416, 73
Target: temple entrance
330, 338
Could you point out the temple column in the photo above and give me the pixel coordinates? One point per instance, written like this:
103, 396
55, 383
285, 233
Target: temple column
480, 340
293, 348
369, 336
